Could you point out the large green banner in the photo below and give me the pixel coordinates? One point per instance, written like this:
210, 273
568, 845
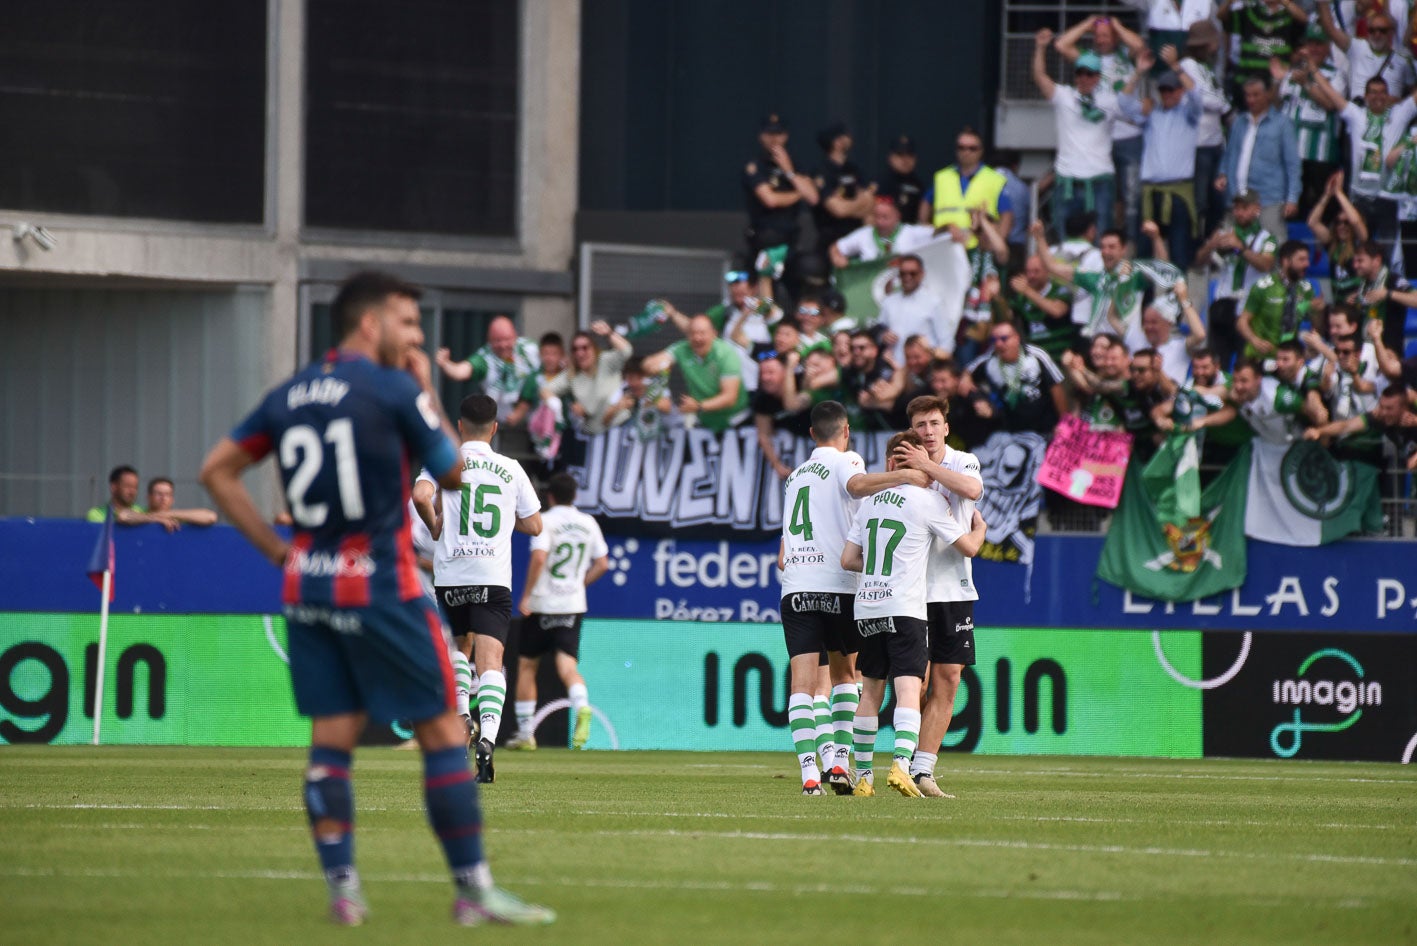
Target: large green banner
724, 688
197, 680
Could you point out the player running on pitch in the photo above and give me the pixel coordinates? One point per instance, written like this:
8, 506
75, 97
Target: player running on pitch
566, 558
822, 495
472, 569
894, 527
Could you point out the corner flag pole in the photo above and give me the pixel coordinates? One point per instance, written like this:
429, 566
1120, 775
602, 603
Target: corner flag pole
102, 654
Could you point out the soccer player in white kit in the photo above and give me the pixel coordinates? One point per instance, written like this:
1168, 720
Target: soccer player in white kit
822, 496
890, 543
950, 591
566, 558
472, 569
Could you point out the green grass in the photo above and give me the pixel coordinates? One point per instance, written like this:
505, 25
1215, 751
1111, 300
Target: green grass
150, 846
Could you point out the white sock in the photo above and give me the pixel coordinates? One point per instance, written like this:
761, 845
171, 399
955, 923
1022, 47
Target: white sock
491, 694
462, 680
923, 763
526, 709
578, 695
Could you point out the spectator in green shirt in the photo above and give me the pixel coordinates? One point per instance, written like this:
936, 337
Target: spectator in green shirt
713, 376
501, 366
1278, 304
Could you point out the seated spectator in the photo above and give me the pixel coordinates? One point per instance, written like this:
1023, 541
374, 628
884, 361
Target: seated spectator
901, 183
642, 402
1317, 127
1392, 417
593, 381
161, 495
123, 500
1278, 304
713, 377
915, 310
1374, 55
1171, 130
501, 366
1044, 306
884, 236
776, 407
1245, 251
1341, 237
1174, 349
1116, 49
1022, 383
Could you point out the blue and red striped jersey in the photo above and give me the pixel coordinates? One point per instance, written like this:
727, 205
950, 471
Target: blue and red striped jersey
345, 432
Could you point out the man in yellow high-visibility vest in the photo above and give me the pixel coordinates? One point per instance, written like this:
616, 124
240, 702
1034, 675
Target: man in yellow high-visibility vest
964, 185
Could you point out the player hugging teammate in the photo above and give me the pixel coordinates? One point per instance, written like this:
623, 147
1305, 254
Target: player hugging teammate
908, 617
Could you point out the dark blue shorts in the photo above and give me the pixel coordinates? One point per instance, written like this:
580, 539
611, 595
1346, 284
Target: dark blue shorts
389, 660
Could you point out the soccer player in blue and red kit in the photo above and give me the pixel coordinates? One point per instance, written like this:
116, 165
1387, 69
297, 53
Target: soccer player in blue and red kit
364, 640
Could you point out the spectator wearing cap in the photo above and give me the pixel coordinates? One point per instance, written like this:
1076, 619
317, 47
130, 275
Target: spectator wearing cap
1374, 129
1168, 167
845, 193
1315, 124
884, 236
1202, 41
965, 186
1245, 251
1262, 155
1116, 48
900, 182
774, 190
1377, 54
1260, 31
1083, 179
833, 310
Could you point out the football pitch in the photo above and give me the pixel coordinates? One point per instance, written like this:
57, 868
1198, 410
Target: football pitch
165, 845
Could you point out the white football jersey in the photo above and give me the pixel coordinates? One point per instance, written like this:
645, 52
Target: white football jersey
816, 513
424, 546
951, 575
476, 545
894, 529
572, 541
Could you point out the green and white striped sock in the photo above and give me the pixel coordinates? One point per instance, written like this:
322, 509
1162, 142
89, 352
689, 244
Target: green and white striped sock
462, 681
491, 694
864, 737
845, 698
803, 720
907, 734
826, 748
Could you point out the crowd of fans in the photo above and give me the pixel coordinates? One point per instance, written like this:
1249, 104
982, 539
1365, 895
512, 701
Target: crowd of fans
1185, 152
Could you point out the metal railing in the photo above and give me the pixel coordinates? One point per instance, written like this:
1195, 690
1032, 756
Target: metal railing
1023, 18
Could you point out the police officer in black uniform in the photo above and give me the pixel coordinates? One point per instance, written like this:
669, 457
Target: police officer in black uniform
900, 180
773, 190
845, 192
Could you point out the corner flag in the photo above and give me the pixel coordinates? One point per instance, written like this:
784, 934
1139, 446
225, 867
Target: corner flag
101, 561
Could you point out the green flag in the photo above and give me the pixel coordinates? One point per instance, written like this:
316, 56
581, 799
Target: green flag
863, 285
1169, 554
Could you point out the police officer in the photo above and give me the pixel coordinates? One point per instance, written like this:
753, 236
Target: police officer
900, 180
774, 190
846, 193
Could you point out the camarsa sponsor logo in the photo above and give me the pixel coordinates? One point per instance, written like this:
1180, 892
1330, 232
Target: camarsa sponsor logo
811, 602
336, 564
873, 626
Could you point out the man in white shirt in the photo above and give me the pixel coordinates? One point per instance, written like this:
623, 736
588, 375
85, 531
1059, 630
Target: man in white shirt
884, 236
950, 591
821, 498
890, 543
914, 311
472, 569
567, 557
1379, 54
